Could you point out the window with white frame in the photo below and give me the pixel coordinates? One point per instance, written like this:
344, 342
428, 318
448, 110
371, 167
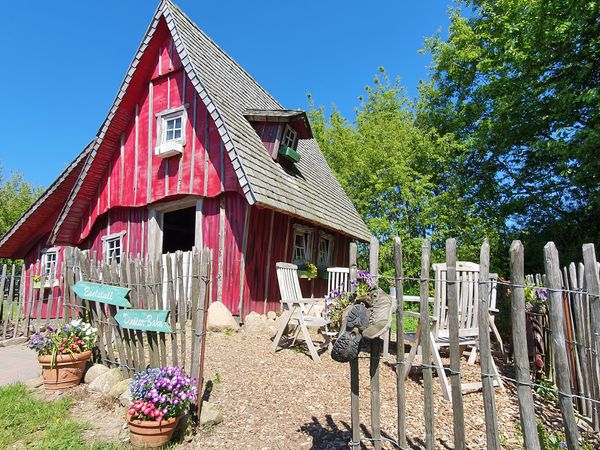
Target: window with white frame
170, 131
325, 256
49, 263
289, 137
303, 238
113, 247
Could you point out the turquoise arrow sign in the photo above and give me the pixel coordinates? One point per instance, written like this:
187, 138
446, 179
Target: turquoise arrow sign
103, 293
144, 319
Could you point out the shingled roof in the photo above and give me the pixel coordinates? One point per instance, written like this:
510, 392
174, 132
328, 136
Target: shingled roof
311, 192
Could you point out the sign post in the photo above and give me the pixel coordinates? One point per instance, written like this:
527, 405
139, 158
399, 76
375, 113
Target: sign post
144, 319
103, 293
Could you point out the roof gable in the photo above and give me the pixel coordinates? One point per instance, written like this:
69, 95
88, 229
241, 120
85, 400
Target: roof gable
310, 192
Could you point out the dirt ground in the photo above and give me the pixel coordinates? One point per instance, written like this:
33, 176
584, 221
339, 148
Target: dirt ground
284, 400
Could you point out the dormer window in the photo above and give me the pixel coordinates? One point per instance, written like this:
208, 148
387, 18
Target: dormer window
289, 137
170, 132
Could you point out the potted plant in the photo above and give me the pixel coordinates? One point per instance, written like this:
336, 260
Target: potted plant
63, 353
338, 299
160, 398
37, 284
307, 270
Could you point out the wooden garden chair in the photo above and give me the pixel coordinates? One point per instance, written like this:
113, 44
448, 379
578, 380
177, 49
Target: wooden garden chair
296, 310
467, 276
337, 279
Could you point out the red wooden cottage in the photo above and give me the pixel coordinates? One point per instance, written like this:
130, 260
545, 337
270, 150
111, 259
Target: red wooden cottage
194, 152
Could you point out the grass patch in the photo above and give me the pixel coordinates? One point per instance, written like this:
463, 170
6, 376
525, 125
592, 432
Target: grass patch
39, 424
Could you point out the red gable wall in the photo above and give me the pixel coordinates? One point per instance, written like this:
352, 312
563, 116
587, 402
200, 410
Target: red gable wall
135, 176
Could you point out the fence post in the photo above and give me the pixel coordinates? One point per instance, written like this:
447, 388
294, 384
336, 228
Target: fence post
519, 338
593, 288
426, 344
489, 401
458, 413
400, 389
375, 349
354, 390
563, 379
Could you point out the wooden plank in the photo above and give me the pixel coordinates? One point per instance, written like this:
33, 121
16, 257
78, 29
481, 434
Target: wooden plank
150, 149
158, 282
132, 362
29, 301
50, 303
374, 357
138, 336
426, 345
195, 292
181, 307
20, 303
458, 412
354, 374
584, 361
109, 274
3, 279
146, 279
519, 339
268, 262
593, 287
247, 209
486, 363
40, 296
400, 385
173, 306
556, 313
221, 250
202, 319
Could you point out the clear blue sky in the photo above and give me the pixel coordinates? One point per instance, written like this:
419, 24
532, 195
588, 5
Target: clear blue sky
64, 61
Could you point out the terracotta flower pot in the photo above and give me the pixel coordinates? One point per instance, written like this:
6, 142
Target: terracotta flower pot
151, 434
66, 372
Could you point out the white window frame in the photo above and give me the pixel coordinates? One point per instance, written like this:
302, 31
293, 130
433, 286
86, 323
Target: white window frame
290, 136
328, 260
166, 148
106, 241
52, 277
307, 234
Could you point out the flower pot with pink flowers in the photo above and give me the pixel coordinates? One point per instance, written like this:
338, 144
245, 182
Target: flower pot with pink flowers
160, 398
63, 353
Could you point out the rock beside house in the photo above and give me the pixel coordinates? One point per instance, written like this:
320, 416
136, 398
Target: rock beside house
104, 383
220, 318
255, 323
94, 372
118, 389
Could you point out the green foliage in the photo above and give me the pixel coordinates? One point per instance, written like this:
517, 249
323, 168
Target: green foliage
16, 196
517, 85
37, 424
401, 178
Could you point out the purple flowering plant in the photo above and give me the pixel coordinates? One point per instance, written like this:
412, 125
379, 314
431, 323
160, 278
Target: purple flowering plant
338, 299
160, 394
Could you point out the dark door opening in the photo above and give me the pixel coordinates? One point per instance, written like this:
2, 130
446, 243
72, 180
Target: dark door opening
179, 230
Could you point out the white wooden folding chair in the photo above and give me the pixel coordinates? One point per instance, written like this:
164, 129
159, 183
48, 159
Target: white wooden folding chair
337, 279
467, 276
296, 310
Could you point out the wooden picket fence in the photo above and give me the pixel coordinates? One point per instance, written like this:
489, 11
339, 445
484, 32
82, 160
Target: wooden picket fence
575, 400
12, 324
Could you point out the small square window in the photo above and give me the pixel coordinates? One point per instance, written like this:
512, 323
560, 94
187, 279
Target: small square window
112, 249
289, 137
170, 131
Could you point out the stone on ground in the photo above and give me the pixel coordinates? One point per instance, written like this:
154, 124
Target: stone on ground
119, 388
125, 399
271, 315
34, 382
210, 414
220, 318
94, 372
255, 323
103, 383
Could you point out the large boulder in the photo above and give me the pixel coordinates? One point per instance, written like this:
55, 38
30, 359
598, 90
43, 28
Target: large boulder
210, 415
220, 318
119, 388
126, 398
104, 383
94, 372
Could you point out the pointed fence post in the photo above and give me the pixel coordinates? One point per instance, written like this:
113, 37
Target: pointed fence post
487, 366
593, 288
354, 387
557, 318
458, 413
400, 388
375, 349
519, 338
426, 345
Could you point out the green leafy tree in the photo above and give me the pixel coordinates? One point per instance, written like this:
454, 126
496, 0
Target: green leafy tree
517, 84
400, 177
16, 196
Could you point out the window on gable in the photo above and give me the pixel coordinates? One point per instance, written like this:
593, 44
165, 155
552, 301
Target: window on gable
289, 137
303, 238
325, 256
113, 245
49, 263
170, 131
